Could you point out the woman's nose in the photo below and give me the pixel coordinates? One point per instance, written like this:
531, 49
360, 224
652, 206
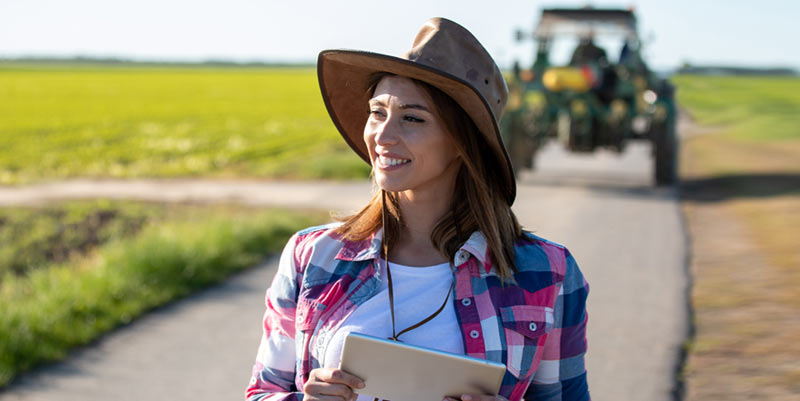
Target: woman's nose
386, 132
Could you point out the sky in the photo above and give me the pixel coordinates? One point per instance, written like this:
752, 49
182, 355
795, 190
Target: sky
701, 32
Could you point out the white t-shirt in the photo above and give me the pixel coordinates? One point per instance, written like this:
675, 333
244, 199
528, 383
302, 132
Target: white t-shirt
418, 292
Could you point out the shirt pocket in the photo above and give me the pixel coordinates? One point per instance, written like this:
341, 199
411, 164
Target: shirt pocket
525, 328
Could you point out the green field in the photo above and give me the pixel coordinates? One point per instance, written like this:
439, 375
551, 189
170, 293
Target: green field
141, 121
748, 108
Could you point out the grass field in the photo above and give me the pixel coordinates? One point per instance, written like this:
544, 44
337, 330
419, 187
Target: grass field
741, 191
59, 121
142, 256
749, 108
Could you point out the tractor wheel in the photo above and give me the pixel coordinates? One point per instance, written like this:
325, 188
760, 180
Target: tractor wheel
522, 151
520, 145
665, 147
582, 134
532, 156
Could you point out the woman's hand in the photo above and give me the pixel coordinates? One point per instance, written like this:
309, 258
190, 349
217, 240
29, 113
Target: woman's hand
477, 397
327, 384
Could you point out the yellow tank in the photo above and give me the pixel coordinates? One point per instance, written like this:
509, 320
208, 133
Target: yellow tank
566, 78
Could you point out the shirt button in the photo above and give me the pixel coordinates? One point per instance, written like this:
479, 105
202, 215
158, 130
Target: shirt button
532, 326
474, 334
300, 319
466, 302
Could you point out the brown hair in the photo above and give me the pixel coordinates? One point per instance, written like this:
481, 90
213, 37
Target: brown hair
478, 202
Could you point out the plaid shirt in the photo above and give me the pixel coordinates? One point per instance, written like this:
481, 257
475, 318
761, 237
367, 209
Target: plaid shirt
536, 326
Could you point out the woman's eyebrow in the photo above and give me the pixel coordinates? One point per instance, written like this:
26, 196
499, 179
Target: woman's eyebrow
414, 106
377, 102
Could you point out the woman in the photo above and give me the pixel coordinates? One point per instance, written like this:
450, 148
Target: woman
461, 274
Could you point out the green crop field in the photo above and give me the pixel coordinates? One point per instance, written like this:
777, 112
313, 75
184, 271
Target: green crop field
59, 121
749, 108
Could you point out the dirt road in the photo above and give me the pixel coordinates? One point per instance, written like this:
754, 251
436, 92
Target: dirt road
626, 235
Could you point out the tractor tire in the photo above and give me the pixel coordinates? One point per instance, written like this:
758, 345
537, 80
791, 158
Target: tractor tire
520, 144
665, 146
582, 135
522, 151
532, 157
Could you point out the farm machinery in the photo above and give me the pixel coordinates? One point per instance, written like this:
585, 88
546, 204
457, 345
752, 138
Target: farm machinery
593, 101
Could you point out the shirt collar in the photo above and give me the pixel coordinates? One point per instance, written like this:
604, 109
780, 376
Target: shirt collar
370, 248
477, 247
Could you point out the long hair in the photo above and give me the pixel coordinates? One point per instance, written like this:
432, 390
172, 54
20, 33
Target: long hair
477, 204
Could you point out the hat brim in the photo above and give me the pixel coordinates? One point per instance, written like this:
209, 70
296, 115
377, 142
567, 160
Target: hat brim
344, 82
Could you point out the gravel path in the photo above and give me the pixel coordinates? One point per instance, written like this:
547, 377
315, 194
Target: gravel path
626, 235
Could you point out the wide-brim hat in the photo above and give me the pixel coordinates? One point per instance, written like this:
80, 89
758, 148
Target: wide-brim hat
444, 55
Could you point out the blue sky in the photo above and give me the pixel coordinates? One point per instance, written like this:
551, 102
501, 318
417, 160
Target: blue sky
750, 33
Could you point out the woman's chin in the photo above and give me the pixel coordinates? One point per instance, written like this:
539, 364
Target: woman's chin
389, 185
392, 188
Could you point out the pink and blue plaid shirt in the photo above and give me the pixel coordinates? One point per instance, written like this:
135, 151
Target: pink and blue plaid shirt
535, 326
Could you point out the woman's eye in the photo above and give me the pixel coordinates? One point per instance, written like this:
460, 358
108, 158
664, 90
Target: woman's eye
413, 119
376, 113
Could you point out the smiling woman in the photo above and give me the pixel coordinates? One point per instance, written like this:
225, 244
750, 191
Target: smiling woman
410, 150
467, 279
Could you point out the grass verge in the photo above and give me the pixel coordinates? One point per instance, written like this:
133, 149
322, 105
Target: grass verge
37, 237
51, 310
741, 192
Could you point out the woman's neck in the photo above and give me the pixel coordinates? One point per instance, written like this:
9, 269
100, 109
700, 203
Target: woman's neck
421, 213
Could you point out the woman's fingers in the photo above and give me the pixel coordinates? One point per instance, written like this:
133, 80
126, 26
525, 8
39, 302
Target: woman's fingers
325, 384
308, 397
478, 397
330, 375
322, 389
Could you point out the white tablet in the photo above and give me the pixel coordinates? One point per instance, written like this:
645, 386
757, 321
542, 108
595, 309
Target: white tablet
395, 371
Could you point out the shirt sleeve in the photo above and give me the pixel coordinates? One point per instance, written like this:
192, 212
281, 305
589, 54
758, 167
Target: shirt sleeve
562, 374
273, 373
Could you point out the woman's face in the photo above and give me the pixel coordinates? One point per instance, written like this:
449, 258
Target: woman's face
407, 142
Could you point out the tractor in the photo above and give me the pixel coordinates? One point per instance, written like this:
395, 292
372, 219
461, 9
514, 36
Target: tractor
593, 101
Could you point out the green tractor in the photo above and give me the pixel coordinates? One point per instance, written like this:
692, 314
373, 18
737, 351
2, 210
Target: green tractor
593, 101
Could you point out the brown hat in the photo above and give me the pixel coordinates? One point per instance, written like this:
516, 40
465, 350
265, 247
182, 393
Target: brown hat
444, 55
